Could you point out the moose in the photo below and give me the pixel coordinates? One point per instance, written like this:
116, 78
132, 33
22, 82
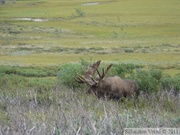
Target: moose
111, 87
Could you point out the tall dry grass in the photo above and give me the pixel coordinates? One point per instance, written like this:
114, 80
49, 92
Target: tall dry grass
65, 112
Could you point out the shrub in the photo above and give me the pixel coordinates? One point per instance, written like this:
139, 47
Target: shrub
169, 82
124, 70
66, 75
79, 12
129, 50
156, 73
148, 81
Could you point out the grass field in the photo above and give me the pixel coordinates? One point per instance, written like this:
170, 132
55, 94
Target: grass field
109, 27
38, 36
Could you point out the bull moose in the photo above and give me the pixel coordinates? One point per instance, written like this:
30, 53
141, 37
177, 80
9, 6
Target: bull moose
111, 87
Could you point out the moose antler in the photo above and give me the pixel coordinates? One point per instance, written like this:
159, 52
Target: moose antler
87, 81
88, 74
92, 69
87, 77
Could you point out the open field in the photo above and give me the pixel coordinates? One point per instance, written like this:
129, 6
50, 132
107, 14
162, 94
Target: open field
37, 39
112, 29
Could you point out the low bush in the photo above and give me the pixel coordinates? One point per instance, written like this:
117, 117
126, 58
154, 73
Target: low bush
169, 82
129, 50
66, 75
148, 80
125, 70
79, 12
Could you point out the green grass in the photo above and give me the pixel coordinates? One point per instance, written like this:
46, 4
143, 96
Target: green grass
113, 27
108, 24
54, 59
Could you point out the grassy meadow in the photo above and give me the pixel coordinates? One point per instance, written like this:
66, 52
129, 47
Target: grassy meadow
39, 37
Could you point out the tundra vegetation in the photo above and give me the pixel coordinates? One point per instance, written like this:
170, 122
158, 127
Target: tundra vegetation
44, 43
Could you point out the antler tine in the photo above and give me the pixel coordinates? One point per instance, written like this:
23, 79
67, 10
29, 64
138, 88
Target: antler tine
78, 80
85, 80
98, 72
107, 70
103, 73
96, 82
82, 79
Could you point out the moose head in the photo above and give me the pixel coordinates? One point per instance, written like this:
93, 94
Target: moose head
111, 87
